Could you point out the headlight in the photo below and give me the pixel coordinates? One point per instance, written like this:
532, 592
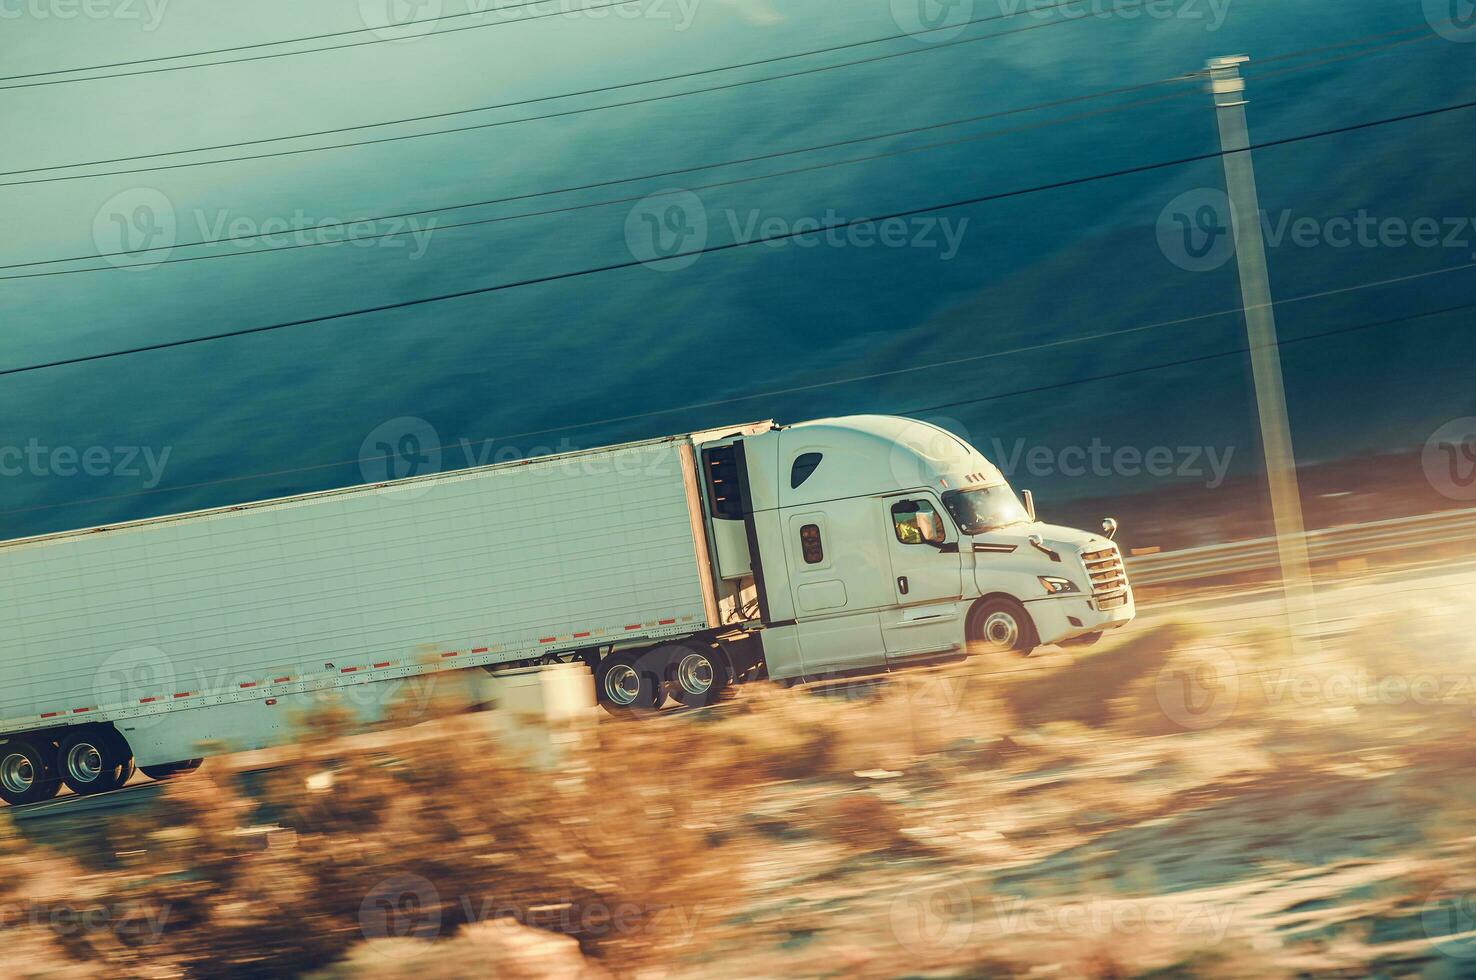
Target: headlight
1058, 586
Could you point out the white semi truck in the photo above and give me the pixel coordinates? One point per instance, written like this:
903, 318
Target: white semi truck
673, 567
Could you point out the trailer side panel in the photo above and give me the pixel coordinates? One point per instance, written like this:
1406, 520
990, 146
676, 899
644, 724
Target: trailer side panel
482, 566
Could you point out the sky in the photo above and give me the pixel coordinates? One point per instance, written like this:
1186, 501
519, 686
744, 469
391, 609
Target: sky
992, 318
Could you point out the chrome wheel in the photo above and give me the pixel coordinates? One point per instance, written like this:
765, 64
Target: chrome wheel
17, 773
84, 762
1002, 630
694, 673
622, 685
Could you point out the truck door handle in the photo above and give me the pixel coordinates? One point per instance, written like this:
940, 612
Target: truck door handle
902, 584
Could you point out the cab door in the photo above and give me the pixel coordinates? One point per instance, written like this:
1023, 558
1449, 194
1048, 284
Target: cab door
926, 614
834, 570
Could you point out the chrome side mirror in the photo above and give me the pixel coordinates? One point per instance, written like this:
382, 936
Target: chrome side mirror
1028, 499
1109, 527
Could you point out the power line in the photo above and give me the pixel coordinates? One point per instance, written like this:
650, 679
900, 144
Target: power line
691, 74
685, 170
726, 86
1056, 103
726, 246
410, 24
1192, 360
543, 98
835, 382
1341, 58
584, 206
288, 54
1424, 28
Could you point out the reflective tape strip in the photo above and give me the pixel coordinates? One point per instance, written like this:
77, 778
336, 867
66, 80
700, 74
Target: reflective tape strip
665, 622
51, 714
348, 670
450, 654
148, 700
78, 711
547, 639
580, 636
248, 684
635, 627
479, 649
184, 694
385, 663
280, 680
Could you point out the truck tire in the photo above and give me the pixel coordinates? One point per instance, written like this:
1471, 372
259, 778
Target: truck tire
94, 760
123, 773
25, 774
623, 687
698, 677
999, 625
125, 769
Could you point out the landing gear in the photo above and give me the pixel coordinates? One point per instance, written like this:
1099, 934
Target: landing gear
1001, 625
27, 772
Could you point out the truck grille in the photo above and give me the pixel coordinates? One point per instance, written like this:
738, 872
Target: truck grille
1106, 572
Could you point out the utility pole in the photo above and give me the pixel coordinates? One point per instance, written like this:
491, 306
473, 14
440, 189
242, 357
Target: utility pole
1228, 91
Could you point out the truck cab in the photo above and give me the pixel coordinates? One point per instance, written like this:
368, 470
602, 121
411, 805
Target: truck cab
875, 541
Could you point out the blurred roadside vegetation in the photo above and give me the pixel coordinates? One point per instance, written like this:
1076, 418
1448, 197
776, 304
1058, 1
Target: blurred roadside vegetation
990, 818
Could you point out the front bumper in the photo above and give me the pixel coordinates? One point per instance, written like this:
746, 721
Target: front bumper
1066, 617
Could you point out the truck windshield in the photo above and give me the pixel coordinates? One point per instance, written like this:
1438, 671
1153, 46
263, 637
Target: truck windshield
984, 509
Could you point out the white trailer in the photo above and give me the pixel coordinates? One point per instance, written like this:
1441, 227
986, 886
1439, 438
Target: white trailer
672, 567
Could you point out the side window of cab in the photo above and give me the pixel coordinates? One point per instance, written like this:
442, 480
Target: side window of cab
917, 522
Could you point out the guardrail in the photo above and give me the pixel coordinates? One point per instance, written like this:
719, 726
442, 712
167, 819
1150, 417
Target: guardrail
1323, 544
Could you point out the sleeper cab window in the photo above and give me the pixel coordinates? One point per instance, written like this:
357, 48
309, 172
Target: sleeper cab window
810, 544
804, 465
916, 522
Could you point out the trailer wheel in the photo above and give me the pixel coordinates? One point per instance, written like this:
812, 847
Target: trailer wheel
999, 625
623, 687
698, 677
25, 776
94, 761
123, 773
